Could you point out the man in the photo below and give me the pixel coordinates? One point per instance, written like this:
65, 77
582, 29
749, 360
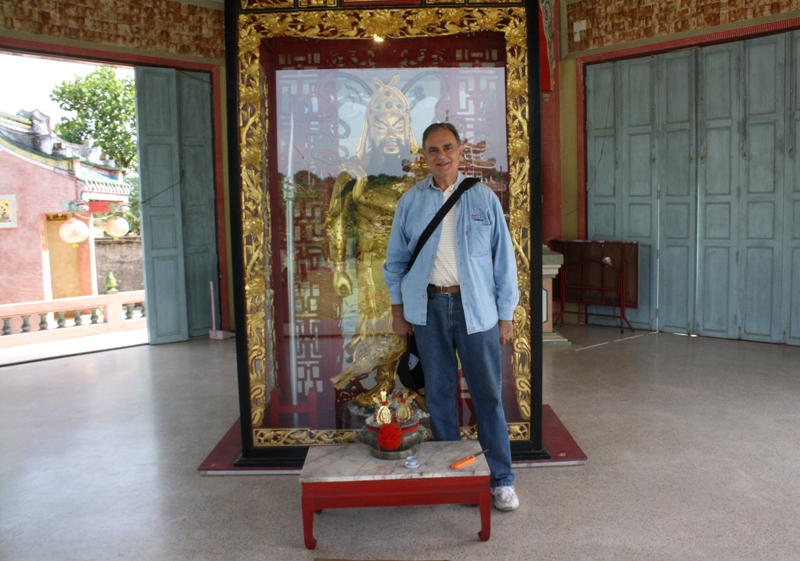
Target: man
459, 295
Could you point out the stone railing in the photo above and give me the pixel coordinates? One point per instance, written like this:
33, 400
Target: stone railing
68, 318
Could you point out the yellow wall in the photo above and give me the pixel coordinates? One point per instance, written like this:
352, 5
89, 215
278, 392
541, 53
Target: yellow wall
569, 152
65, 263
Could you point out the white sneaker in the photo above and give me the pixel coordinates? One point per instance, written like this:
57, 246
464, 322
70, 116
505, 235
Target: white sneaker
505, 498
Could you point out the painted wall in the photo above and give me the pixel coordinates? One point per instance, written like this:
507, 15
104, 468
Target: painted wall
38, 189
159, 26
594, 24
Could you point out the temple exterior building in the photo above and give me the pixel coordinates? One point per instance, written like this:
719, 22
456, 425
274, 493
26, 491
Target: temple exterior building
49, 184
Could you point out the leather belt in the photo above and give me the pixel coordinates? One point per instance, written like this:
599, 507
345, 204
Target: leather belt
445, 289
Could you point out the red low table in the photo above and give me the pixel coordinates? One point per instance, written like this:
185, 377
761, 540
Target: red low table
349, 477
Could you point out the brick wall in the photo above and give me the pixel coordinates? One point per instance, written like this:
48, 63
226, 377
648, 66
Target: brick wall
124, 258
160, 26
614, 22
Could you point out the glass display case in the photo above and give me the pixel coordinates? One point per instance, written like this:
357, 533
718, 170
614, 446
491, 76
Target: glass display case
331, 114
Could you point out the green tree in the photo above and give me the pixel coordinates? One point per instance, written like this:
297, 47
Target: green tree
105, 113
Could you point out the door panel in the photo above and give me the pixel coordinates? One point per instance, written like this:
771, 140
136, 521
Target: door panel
677, 240
176, 159
640, 164
677, 267
762, 162
603, 158
791, 231
638, 134
758, 306
793, 299
705, 176
604, 222
601, 153
159, 160
197, 192
715, 306
719, 117
168, 317
720, 143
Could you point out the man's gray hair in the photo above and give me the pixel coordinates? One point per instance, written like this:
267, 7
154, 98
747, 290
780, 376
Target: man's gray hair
440, 127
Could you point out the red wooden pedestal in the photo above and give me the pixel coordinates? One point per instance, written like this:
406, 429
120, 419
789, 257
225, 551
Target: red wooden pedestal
396, 492
349, 477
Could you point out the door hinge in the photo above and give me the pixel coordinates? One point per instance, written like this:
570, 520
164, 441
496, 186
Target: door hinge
737, 257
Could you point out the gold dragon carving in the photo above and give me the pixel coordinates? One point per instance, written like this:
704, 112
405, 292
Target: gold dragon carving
253, 139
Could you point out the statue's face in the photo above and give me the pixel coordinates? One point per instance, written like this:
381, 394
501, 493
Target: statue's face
388, 131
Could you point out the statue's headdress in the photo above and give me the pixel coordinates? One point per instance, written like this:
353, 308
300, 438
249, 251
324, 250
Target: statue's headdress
390, 101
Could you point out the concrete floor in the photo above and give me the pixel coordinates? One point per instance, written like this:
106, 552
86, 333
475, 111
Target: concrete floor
69, 347
693, 446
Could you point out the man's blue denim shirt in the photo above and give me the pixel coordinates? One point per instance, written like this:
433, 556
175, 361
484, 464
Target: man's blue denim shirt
487, 268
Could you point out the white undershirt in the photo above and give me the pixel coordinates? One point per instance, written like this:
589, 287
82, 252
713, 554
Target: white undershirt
445, 266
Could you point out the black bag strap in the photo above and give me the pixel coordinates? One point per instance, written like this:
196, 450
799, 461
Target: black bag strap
462, 188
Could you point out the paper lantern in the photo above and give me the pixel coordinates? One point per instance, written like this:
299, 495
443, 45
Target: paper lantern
116, 227
73, 231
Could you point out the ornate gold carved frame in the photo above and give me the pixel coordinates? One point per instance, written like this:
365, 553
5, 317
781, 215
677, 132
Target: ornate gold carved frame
257, 223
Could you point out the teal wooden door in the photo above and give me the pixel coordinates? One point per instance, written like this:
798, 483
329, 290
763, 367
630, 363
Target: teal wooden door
791, 209
762, 189
177, 191
741, 186
602, 154
197, 195
162, 221
715, 130
677, 192
621, 169
639, 177
605, 175
718, 186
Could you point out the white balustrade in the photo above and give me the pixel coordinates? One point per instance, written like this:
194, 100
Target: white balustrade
46, 320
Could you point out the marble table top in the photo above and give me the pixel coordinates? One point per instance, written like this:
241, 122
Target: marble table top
353, 462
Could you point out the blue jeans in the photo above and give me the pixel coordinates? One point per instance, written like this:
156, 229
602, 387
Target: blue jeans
437, 341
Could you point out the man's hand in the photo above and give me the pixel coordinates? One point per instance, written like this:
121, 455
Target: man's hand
506, 328
342, 284
400, 326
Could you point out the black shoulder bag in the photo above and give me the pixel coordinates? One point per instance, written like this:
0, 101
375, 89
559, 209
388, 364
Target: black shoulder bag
409, 367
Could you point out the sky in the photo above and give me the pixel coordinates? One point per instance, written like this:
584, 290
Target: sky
26, 82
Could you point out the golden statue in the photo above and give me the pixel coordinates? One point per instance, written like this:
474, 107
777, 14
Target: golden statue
363, 203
